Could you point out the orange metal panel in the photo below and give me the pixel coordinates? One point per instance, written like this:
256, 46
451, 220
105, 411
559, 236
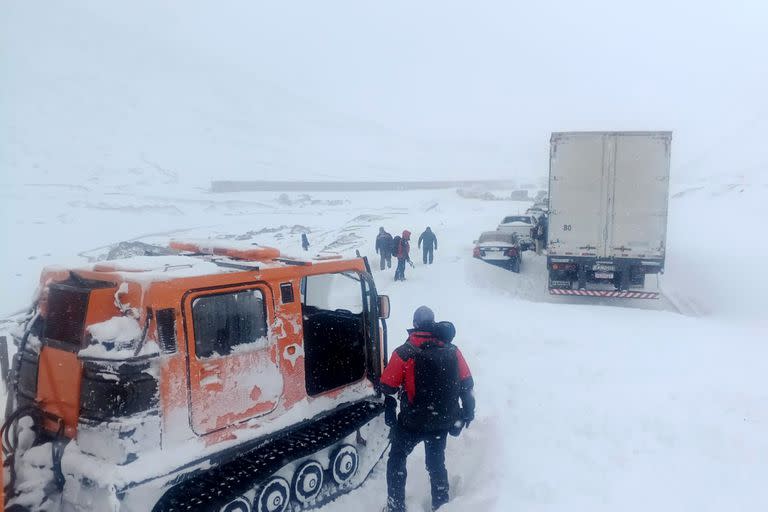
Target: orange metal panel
58, 388
225, 390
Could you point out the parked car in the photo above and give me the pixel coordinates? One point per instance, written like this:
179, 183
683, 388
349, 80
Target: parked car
500, 248
522, 226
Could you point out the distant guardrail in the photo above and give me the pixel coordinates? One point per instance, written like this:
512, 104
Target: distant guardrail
350, 186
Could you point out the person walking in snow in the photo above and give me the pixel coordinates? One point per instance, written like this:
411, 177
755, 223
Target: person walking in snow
541, 234
402, 250
384, 248
304, 242
429, 240
431, 377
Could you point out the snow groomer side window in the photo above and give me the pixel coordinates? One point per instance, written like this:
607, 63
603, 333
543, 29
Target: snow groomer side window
334, 331
226, 321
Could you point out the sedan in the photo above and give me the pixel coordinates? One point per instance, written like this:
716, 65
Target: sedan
500, 248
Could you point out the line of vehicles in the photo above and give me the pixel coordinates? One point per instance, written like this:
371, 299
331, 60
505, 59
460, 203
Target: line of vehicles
514, 235
606, 215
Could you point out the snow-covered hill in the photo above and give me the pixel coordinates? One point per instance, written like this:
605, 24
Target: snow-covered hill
91, 91
88, 97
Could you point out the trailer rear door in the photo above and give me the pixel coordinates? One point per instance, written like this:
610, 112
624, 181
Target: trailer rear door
577, 194
638, 224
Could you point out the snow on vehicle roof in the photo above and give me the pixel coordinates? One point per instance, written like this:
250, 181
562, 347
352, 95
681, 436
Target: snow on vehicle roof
213, 243
497, 236
165, 268
526, 219
159, 268
516, 224
147, 269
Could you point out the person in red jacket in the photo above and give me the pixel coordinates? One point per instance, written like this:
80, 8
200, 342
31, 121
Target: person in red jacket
430, 376
402, 249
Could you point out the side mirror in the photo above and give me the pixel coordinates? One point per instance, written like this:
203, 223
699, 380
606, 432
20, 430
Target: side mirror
383, 307
474, 242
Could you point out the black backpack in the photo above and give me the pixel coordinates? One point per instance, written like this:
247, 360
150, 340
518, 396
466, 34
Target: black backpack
435, 406
396, 244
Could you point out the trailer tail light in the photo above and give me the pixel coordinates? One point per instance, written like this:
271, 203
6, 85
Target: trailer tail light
563, 266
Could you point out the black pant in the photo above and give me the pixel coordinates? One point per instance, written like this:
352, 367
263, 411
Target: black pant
429, 253
403, 443
400, 270
386, 259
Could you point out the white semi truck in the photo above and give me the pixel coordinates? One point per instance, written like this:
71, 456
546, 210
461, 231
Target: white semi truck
608, 198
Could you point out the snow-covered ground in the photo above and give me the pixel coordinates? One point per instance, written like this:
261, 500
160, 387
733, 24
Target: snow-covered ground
581, 405
111, 115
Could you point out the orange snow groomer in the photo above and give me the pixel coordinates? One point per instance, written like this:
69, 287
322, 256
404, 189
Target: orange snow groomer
220, 377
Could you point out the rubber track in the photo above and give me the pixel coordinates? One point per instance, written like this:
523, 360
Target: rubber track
217, 486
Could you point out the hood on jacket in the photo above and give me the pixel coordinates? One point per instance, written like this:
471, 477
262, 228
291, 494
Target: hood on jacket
417, 338
407, 234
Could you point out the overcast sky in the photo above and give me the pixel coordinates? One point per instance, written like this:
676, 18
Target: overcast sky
499, 74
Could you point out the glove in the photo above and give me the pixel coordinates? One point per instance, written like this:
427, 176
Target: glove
455, 429
469, 416
390, 411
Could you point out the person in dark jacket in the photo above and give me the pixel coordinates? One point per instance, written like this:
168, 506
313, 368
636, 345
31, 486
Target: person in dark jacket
429, 240
431, 377
384, 248
304, 242
402, 252
541, 234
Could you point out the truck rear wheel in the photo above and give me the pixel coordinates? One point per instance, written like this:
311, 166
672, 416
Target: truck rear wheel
622, 280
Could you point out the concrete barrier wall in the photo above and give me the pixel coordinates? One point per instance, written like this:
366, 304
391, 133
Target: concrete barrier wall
350, 186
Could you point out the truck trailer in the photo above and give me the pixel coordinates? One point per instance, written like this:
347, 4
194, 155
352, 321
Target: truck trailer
609, 194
